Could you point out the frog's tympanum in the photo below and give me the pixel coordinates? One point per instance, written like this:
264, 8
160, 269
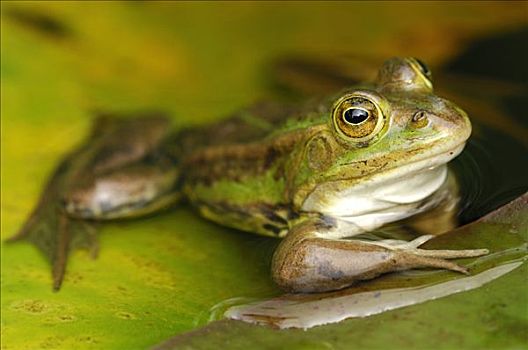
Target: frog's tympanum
319, 176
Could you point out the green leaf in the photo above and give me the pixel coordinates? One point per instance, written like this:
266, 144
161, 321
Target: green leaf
161, 276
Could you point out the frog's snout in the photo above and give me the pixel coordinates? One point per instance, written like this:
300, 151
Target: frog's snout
456, 120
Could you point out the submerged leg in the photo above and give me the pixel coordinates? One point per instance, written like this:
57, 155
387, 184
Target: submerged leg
305, 261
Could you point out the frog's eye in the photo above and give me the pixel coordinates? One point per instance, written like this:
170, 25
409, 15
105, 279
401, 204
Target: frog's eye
422, 67
357, 118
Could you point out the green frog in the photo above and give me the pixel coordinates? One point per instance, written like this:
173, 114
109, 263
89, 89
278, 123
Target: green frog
319, 175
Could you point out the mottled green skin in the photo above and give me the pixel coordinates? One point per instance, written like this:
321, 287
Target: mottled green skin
272, 169
278, 171
257, 168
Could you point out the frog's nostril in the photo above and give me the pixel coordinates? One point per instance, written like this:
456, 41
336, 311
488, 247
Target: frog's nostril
420, 120
418, 116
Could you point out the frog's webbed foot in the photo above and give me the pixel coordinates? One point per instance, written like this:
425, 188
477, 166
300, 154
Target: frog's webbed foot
56, 235
306, 261
118, 149
52, 231
434, 258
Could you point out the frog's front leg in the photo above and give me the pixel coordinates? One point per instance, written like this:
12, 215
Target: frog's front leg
308, 261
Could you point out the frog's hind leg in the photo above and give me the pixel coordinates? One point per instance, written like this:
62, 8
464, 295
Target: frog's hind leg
55, 234
132, 191
51, 230
117, 149
307, 261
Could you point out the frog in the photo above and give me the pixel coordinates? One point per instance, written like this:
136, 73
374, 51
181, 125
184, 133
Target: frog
319, 175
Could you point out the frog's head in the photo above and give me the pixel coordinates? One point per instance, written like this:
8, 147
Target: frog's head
391, 139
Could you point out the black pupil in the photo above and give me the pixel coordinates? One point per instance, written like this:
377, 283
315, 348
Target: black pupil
355, 115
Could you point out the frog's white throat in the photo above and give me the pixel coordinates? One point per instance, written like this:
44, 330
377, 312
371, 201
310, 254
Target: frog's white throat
383, 199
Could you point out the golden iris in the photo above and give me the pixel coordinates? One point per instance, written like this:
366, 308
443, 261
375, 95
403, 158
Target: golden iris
357, 117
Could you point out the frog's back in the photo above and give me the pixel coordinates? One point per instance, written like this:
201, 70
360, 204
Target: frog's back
235, 171
249, 125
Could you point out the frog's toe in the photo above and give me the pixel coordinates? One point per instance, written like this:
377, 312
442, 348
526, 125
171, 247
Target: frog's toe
418, 261
412, 257
395, 244
412, 248
449, 254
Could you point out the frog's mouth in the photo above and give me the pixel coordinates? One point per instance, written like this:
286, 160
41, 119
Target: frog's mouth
387, 196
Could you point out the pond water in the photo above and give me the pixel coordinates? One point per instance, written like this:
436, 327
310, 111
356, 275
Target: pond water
491, 171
